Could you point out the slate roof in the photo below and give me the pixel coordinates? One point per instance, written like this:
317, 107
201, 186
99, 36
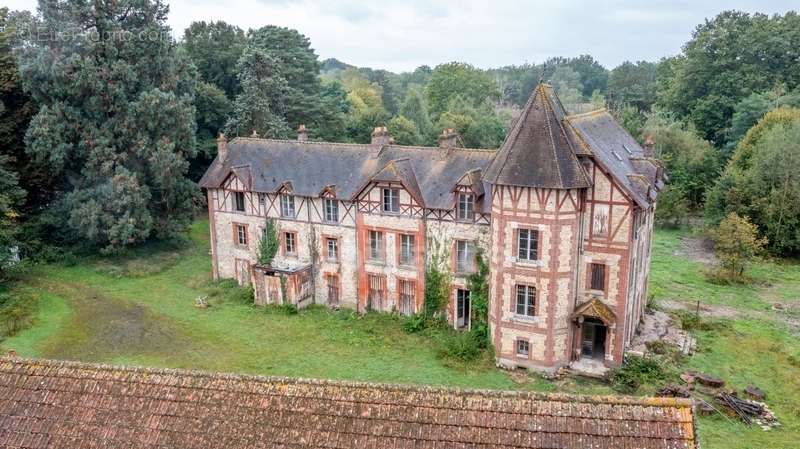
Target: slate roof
50, 404
537, 151
619, 153
310, 166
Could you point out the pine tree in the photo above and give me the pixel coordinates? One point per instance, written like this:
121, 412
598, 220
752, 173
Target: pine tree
117, 120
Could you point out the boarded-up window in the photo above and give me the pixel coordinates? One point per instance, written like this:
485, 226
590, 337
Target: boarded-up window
407, 250
333, 288
304, 283
527, 244
375, 246
600, 220
526, 300
377, 291
238, 201
408, 296
597, 280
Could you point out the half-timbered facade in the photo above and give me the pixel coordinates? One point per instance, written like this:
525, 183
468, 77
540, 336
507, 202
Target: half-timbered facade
563, 213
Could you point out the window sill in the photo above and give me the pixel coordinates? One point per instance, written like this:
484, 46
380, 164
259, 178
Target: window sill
376, 262
331, 260
526, 319
528, 263
523, 356
405, 266
464, 273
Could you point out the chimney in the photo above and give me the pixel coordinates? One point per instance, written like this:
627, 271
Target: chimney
222, 147
380, 136
302, 133
649, 147
448, 138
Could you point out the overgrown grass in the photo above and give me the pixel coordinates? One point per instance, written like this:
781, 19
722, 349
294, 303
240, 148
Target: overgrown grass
139, 309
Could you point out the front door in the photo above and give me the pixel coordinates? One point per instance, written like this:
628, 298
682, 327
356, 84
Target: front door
272, 285
593, 342
462, 308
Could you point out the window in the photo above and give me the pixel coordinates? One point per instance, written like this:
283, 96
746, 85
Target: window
526, 300
391, 200
375, 247
523, 348
377, 291
465, 257
408, 296
331, 210
333, 288
332, 250
240, 234
287, 206
463, 308
466, 206
597, 281
407, 250
238, 201
289, 243
527, 244
262, 199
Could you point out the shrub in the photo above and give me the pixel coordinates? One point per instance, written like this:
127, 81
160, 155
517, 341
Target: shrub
637, 371
461, 346
737, 243
415, 323
15, 313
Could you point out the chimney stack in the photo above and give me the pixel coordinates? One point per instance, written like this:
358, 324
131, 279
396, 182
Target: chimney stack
380, 136
302, 133
222, 147
649, 147
448, 138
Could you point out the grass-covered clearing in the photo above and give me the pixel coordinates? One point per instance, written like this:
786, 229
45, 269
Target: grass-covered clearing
139, 309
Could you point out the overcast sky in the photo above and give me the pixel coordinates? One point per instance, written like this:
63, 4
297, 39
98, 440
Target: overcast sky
400, 35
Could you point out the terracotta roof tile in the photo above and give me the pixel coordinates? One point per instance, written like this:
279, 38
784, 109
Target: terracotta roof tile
74, 405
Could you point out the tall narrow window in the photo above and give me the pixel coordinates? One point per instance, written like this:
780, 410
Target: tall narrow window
408, 296
463, 308
598, 277
526, 300
391, 200
466, 206
375, 246
408, 250
333, 288
465, 256
241, 234
332, 250
287, 206
331, 210
290, 243
527, 244
262, 199
238, 201
377, 291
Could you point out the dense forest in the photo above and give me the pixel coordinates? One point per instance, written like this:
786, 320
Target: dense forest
103, 138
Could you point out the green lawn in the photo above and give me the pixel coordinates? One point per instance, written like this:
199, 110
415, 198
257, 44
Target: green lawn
139, 310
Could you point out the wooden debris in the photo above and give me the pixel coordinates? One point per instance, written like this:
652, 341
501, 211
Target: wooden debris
748, 411
674, 391
755, 393
709, 380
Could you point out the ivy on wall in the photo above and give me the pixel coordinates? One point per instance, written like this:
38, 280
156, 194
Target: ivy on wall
478, 285
268, 246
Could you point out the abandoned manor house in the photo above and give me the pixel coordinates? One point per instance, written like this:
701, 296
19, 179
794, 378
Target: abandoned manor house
562, 214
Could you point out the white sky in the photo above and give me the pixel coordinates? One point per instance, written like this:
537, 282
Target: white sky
400, 35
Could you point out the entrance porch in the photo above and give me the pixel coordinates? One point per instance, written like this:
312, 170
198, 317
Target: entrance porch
594, 330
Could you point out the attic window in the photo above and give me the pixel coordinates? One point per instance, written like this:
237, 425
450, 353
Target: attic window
238, 202
391, 200
466, 206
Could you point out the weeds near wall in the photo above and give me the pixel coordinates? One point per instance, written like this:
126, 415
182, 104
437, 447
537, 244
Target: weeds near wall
268, 246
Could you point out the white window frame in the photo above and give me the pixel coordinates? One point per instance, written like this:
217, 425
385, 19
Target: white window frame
523, 352
528, 295
332, 243
375, 246
529, 252
408, 250
241, 235
390, 200
465, 209
286, 239
331, 207
287, 206
465, 257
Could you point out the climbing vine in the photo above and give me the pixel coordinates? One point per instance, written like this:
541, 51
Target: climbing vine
478, 284
268, 246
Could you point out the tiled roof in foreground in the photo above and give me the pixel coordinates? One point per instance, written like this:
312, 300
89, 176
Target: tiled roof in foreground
76, 405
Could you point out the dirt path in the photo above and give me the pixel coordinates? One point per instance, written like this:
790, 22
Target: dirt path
785, 316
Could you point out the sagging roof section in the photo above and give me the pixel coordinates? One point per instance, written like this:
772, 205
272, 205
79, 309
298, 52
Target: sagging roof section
619, 153
77, 405
537, 151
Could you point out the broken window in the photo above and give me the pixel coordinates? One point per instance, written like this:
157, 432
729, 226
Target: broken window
407, 250
287, 206
527, 244
391, 200
526, 300
466, 206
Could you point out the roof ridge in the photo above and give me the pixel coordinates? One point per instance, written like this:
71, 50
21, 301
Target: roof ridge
354, 144
555, 397
549, 110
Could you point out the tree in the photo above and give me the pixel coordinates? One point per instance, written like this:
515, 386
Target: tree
415, 109
632, 84
268, 246
673, 209
567, 84
750, 110
215, 49
212, 111
632, 119
114, 132
727, 59
11, 196
262, 102
593, 76
737, 243
456, 79
404, 131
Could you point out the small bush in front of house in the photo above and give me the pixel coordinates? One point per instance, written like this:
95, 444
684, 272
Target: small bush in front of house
461, 346
637, 371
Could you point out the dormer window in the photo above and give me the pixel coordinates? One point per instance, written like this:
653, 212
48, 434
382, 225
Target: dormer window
466, 206
287, 206
331, 210
391, 200
238, 201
